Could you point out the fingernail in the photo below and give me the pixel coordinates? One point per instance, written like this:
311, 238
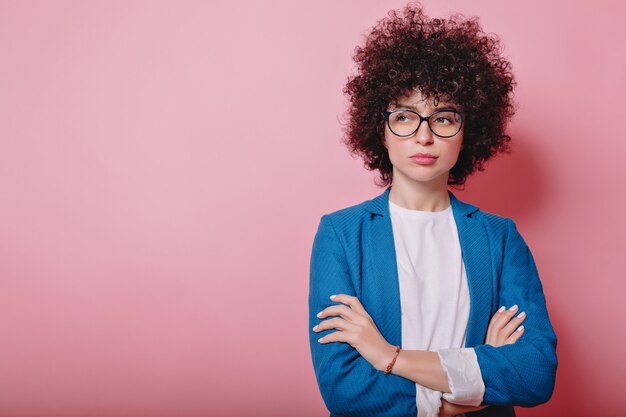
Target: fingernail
315, 327
513, 308
320, 339
520, 328
501, 309
333, 296
319, 314
521, 315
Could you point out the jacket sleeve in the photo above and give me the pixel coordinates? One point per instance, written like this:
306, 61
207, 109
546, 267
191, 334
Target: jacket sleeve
522, 373
350, 385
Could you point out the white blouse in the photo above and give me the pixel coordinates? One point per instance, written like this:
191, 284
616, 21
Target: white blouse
435, 302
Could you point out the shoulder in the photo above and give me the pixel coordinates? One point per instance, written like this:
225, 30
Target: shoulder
495, 225
347, 219
502, 236
350, 212
350, 221
502, 229
494, 221
342, 228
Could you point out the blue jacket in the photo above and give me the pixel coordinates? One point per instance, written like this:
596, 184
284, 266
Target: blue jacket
353, 253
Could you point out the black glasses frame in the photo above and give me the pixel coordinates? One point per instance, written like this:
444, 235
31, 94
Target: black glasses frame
388, 113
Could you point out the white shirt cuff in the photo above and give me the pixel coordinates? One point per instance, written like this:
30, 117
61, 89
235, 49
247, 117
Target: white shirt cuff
428, 401
464, 377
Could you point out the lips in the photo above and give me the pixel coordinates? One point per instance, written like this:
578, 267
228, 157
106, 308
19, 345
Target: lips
424, 159
423, 155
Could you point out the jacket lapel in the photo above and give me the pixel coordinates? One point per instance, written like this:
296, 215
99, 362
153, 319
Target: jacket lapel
477, 260
380, 290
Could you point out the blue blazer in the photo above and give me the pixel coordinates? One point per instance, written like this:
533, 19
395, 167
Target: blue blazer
353, 253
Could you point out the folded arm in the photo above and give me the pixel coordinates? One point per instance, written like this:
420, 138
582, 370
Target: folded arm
349, 384
522, 373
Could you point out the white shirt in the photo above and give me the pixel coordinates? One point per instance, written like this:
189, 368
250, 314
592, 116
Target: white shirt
434, 298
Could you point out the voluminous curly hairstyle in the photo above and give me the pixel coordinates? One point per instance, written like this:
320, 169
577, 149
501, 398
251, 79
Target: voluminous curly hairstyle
451, 59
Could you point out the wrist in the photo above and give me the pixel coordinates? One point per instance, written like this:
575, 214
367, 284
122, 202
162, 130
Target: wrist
388, 359
385, 356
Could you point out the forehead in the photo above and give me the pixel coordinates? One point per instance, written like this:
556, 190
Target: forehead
416, 100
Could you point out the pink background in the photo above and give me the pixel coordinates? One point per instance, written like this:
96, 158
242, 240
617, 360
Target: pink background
164, 166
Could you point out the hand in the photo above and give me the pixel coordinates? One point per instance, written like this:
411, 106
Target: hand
355, 327
448, 409
504, 329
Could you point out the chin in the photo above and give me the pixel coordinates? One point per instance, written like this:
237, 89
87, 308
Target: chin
430, 178
422, 174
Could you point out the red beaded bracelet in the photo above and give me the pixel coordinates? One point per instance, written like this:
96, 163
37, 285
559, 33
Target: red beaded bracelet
393, 361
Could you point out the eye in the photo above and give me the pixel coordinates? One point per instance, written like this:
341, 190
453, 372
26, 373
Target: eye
403, 117
442, 120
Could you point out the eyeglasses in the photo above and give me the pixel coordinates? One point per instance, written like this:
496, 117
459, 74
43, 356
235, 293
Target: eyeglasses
443, 123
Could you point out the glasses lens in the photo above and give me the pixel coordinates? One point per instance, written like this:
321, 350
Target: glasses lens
445, 123
403, 122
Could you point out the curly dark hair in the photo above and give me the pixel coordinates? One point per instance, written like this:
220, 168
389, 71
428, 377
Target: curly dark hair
451, 59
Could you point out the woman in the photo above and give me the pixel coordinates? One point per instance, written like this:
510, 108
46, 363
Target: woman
416, 298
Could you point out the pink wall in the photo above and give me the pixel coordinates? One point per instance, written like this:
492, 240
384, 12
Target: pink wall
164, 166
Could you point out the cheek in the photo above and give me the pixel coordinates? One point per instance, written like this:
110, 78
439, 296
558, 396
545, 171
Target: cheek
395, 149
390, 144
456, 146
452, 152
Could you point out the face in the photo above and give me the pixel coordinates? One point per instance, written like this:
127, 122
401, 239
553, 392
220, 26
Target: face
438, 154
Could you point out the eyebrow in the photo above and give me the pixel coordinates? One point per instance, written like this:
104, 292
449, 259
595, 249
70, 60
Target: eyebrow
411, 107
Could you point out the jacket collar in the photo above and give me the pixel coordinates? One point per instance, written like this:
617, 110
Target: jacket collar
380, 205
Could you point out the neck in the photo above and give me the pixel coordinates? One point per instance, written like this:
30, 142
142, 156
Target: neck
424, 196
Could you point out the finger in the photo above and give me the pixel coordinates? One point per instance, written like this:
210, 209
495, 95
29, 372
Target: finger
505, 317
337, 310
515, 336
496, 317
351, 301
496, 333
334, 323
513, 324
490, 337
337, 336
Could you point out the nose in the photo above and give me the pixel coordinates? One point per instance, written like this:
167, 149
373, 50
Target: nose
423, 135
